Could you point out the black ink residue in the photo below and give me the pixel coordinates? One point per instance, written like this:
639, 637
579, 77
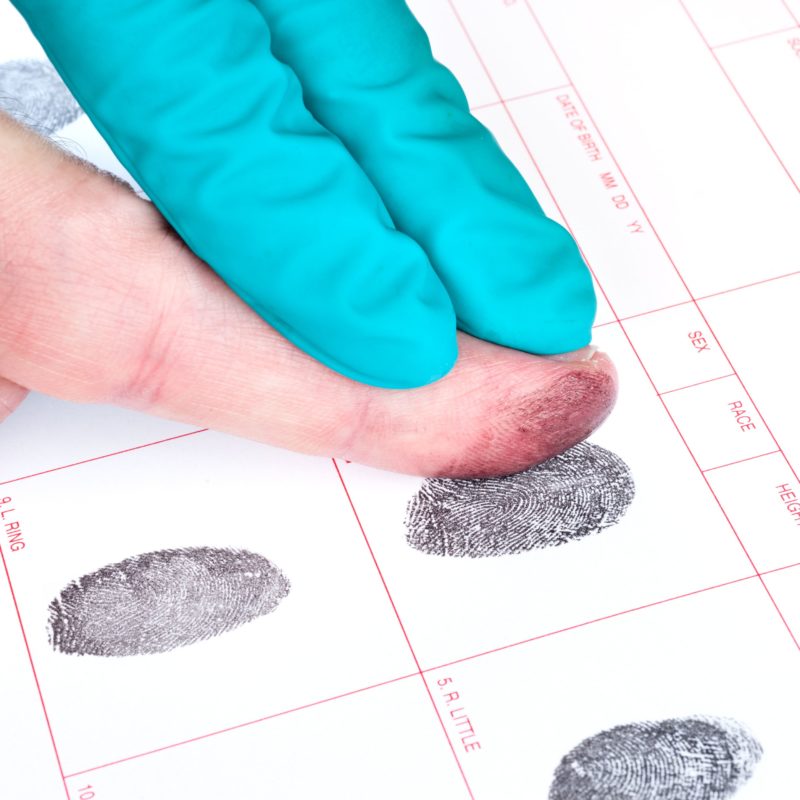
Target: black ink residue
158, 601
573, 495
697, 758
32, 92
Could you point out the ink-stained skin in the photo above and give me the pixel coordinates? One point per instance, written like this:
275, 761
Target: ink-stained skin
32, 92
524, 427
695, 758
155, 602
575, 494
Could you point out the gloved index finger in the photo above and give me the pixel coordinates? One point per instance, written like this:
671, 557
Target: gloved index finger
192, 101
515, 277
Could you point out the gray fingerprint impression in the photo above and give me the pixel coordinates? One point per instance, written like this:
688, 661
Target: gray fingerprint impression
32, 92
694, 758
578, 493
155, 602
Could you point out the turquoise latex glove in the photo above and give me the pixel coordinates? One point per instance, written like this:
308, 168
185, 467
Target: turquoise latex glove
319, 159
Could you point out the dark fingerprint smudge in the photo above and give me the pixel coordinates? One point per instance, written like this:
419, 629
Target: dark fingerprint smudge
155, 602
580, 492
32, 92
696, 758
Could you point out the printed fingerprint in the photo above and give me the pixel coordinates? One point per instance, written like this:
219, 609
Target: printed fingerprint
32, 92
697, 758
155, 602
578, 493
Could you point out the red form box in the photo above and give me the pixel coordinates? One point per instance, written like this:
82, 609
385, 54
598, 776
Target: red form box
686, 144
455, 52
758, 329
355, 742
701, 654
723, 21
719, 423
499, 121
524, 64
677, 348
209, 491
766, 73
597, 203
641, 559
762, 500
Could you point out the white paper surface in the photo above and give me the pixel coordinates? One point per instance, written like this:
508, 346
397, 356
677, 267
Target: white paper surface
666, 136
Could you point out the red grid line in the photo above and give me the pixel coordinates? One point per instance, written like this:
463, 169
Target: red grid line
35, 675
738, 94
781, 569
699, 383
779, 612
743, 460
791, 13
605, 324
100, 458
747, 285
519, 97
580, 625
230, 728
607, 617
657, 310
403, 629
754, 38
702, 297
